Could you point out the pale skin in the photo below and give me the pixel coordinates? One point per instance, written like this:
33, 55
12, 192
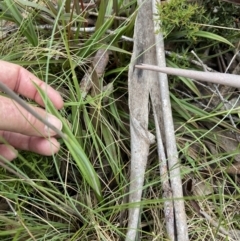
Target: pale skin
18, 127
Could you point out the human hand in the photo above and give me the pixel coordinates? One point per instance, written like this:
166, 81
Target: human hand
19, 128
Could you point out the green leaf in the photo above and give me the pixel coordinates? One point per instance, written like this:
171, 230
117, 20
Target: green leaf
188, 82
37, 7
101, 14
205, 34
75, 149
90, 44
26, 25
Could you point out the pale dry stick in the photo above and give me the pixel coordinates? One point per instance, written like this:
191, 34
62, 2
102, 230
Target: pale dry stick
22, 103
200, 61
170, 139
217, 90
141, 138
233, 58
167, 192
217, 78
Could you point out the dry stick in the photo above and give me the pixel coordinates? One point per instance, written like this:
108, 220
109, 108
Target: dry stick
138, 84
167, 193
170, 140
159, 126
22, 103
217, 78
99, 64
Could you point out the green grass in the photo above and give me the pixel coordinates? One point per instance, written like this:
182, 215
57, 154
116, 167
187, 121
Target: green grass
81, 193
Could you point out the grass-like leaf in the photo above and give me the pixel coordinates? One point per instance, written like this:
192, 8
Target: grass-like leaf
209, 35
26, 25
79, 156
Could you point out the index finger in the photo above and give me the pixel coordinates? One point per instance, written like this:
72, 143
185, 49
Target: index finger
22, 81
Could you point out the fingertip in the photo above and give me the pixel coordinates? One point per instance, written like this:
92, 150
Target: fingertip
7, 152
51, 147
46, 147
59, 103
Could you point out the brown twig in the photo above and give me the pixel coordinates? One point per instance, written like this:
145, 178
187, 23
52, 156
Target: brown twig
98, 66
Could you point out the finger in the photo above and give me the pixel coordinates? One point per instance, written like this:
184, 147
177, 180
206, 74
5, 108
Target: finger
21, 81
7, 152
43, 146
14, 118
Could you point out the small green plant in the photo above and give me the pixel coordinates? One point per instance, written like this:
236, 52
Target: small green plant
179, 15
